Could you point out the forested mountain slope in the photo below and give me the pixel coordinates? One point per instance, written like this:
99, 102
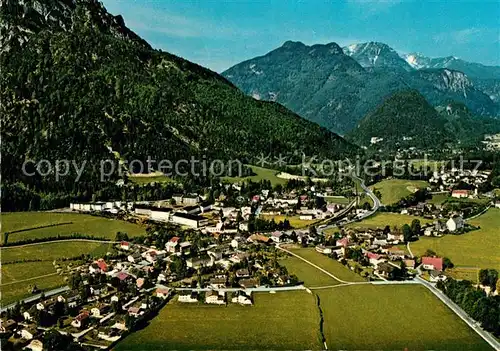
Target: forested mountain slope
78, 85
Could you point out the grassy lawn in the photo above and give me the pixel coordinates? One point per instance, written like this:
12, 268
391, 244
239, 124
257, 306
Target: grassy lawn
402, 317
478, 248
310, 275
79, 223
337, 200
463, 273
327, 264
438, 199
260, 174
281, 321
295, 221
26, 270
156, 177
431, 165
14, 288
51, 251
17, 291
381, 219
393, 190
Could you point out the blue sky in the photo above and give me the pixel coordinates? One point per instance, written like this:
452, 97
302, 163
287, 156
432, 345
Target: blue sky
219, 34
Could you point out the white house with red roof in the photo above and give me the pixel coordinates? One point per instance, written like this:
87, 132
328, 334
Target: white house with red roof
163, 293
375, 258
460, 194
432, 263
173, 244
343, 242
125, 245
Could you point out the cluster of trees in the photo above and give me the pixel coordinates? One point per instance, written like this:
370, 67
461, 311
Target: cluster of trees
262, 225
480, 306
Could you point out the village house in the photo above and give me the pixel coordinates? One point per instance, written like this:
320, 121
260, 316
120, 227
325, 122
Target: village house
249, 283
323, 249
188, 296
436, 276
134, 258
35, 345
385, 270
409, 264
198, 262
242, 298
99, 310
254, 238
395, 236
343, 242
375, 258
455, 223
214, 297
394, 252
8, 325
185, 247
163, 293
173, 244
242, 273
218, 282
81, 320
460, 194
432, 263
124, 245
134, 311
28, 333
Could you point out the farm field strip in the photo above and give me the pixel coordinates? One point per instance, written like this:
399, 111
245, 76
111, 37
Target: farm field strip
381, 219
393, 190
35, 225
280, 321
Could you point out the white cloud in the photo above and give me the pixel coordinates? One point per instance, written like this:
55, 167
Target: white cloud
368, 8
468, 35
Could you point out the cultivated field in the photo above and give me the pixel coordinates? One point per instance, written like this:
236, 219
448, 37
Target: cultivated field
281, 321
381, 219
337, 200
260, 174
367, 317
327, 264
478, 248
50, 251
70, 223
311, 276
393, 190
18, 278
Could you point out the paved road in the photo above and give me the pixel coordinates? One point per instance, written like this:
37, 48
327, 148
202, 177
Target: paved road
376, 204
409, 250
461, 313
37, 296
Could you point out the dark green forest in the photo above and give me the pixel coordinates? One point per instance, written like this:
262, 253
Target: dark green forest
85, 88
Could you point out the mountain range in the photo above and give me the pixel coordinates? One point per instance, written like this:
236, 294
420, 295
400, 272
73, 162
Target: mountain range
81, 86
336, 87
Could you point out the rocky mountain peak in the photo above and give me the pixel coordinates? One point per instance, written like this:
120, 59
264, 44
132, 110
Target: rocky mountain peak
376, 54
